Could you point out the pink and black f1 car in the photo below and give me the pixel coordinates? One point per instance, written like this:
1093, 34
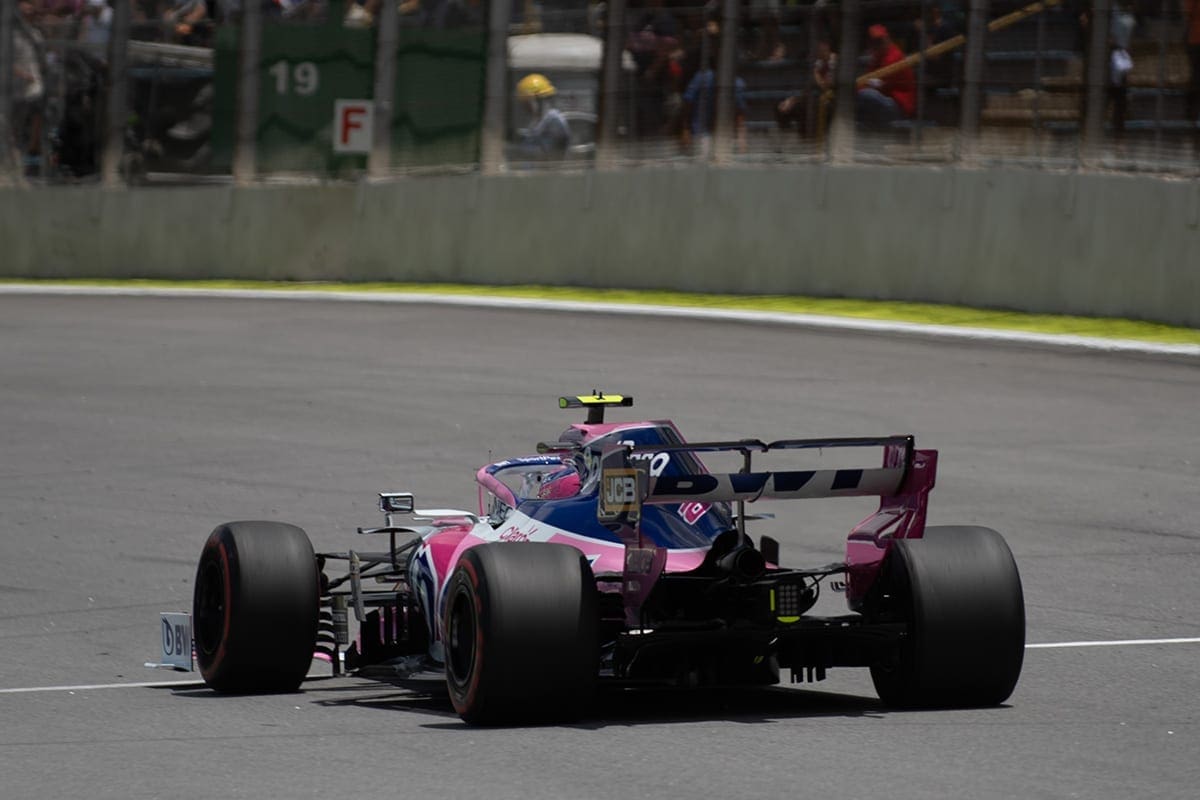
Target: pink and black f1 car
615, 555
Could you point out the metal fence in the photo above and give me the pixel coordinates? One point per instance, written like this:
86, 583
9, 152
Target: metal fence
217, 90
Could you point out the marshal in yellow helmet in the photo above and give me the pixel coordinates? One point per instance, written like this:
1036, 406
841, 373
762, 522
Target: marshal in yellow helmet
535, 85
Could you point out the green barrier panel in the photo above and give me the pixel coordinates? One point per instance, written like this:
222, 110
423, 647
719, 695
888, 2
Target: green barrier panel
304, 70
439, 97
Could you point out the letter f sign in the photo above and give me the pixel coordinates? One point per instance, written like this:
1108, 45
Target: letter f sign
352, 123
351, 116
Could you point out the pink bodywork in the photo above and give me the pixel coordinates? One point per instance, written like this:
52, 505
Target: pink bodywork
900, 516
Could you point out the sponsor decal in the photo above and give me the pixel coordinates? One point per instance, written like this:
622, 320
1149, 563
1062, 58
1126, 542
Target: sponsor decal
618, 491
657, 461
515, 534
692, 512
176, 640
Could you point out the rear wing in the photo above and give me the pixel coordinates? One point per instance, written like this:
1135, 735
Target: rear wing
625, 485
903, 479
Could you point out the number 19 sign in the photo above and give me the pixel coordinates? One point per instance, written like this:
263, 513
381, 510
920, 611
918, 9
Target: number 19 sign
352, 123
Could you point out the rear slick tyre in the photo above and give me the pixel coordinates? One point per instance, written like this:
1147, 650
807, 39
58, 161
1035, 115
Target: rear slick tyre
960, 593
255, 607
520, 625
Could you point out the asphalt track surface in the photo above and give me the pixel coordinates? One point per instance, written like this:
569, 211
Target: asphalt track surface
130, 427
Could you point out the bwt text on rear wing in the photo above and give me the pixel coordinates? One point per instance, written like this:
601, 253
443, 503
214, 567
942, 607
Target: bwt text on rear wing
626, 485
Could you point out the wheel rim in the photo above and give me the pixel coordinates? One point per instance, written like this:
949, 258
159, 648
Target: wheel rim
210, 607
462, 636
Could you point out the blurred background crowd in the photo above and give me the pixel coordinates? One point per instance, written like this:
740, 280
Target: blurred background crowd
910, 69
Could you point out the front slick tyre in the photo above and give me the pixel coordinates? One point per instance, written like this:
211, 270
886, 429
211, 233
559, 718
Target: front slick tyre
521, 634
255, 607
959, 591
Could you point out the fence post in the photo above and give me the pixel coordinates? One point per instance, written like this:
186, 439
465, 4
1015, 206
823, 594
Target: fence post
117, 114
8, 169
495, 88
245, 143
973, 80
841, 132
1097, 80
1160, 100
922, 77
610, 88
379, 162
724, 83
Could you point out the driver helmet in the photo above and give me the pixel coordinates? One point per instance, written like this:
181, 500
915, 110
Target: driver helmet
560, 484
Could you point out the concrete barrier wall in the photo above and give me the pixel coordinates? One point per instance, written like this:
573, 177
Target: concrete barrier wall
1106, 245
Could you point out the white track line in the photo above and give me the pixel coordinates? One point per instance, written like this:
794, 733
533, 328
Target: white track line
198, 683
814, 321
1121, 643
91, 686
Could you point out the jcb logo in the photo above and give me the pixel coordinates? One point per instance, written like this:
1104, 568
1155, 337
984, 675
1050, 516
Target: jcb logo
620, 490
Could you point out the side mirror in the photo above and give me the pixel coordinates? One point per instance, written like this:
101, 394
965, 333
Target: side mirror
396, 502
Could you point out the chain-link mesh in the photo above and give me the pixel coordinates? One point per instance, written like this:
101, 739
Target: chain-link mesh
941, 81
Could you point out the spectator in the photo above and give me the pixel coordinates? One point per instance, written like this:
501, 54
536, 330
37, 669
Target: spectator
357, 16
654, 44
187, 21
1117, 65
363, 13
883, 100
1192, 12
526, 17
1120, 63
28, 87
548, 134
96, 20
700, 109
765, 14
798, 108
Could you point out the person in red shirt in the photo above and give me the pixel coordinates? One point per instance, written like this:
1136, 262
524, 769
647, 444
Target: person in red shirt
882, 101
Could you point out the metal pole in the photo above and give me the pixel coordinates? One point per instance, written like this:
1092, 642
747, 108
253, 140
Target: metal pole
1038, 71
725, 78
495, 99
245, 157
973, 78
1160, 99
379, 162
118, 93
53, 111
1097, 80
810, 108
921, 76
610, 84
8, 168
841, 134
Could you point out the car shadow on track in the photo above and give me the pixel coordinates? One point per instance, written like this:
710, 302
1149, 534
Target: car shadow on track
624, 707
385, 695
753, 705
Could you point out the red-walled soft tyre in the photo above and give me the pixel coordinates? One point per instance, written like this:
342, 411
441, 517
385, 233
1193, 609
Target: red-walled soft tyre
959, 591
520, 626
255, 607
